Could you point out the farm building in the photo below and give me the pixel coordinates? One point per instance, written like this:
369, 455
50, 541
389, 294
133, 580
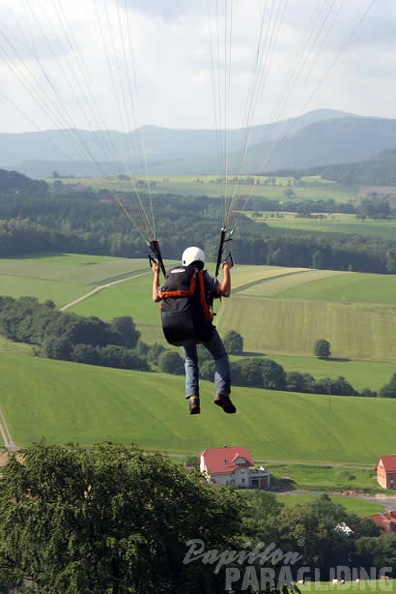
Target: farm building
386, 471
233, 466
386, 521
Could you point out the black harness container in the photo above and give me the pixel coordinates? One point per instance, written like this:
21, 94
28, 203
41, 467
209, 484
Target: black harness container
185, 315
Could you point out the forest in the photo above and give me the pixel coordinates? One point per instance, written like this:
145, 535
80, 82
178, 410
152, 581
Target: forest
92, 223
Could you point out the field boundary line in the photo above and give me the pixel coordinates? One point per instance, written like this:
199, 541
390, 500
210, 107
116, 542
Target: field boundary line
240, 288
99, 288
6, 435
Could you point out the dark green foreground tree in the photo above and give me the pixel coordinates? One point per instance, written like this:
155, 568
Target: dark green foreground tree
110, 519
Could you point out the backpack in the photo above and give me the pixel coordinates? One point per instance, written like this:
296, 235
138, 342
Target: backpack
185, 315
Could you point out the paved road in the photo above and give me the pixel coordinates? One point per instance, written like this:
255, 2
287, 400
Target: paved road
6, 435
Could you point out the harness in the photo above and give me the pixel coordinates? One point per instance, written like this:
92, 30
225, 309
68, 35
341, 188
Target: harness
185, 315
196, 279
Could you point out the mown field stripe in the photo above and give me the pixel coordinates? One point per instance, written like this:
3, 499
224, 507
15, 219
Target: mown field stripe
241, 288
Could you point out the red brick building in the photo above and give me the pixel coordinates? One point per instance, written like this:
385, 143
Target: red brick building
386, 472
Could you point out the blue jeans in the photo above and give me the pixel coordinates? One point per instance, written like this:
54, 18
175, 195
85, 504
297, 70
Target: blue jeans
222, 376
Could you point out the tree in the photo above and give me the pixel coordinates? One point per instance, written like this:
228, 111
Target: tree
376, 552
326, 531
125, 327
322, 348
259, 373
233, 342
389, 390
207, 370
154, 353
274, 376
121, 358
289, 193
299, 382
171, 362
111, 518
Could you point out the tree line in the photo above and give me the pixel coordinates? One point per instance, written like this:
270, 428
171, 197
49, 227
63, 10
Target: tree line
70, 337
112, 518
84, 224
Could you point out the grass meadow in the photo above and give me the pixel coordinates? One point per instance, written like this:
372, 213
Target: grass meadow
63, 277
331, 223
280, 312
285, 315
341, 479
361, 374
272, 187
353, 505
68, 402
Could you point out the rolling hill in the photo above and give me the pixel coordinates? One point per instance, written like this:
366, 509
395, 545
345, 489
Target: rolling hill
317, 138
276, 309
64, 402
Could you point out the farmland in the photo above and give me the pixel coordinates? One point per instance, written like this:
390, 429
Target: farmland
63, 277
331, 223
310, 188
280, 312
63, 401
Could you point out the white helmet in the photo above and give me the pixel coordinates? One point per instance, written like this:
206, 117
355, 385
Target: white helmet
193, 254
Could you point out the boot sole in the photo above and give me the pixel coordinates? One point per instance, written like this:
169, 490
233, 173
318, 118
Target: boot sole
229, 409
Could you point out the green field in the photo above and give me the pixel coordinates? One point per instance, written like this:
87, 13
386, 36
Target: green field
361, 374
313, 188
341, 479
330, 223
69, 402
280, 312
286, 314
63, 277
353, 505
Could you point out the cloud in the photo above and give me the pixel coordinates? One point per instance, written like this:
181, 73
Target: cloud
166, 10
180, 63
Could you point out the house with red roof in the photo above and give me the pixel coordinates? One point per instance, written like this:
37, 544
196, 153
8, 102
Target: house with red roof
386, 471
386, 521
233, 465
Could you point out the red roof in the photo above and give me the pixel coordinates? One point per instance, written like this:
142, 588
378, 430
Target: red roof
227, 459
389, 463
387, 521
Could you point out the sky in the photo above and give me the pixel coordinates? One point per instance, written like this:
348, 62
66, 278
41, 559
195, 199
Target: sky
211, 64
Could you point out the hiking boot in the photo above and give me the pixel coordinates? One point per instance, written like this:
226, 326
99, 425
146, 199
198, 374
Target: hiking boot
224, 401
194, 405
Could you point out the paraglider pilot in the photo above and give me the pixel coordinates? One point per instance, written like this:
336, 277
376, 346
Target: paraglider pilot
186, 298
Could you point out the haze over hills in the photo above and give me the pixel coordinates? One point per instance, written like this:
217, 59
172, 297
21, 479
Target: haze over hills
321, 137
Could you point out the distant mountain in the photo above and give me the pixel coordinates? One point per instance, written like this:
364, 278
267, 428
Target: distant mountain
317, 138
